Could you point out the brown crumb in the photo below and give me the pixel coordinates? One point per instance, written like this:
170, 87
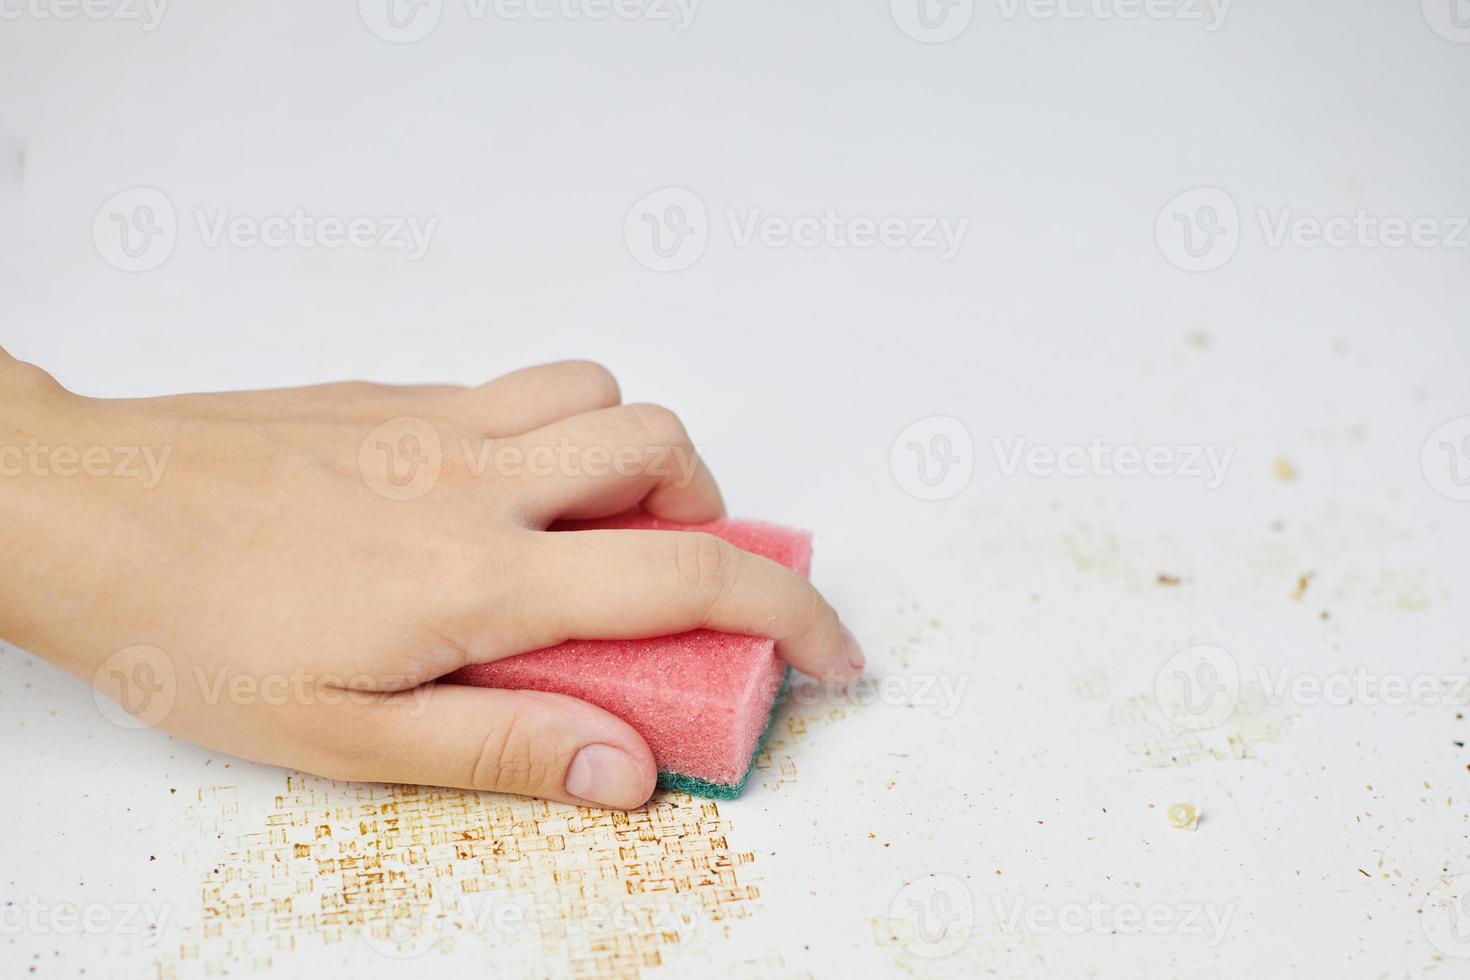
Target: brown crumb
1166, 579
1302, 581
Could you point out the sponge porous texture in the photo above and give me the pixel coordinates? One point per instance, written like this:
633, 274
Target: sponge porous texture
702, 700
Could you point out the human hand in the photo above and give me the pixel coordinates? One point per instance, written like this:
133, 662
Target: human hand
294, 568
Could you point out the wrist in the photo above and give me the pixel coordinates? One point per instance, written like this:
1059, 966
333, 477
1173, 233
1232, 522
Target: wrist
44, 434
39, 422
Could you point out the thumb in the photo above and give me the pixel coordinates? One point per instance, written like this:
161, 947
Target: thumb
524, 742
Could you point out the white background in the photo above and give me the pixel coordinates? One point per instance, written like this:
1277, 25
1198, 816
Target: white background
1064, 143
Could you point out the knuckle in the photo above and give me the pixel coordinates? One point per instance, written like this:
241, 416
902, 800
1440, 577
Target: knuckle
661, 425
822, 620
598, 380
508, 761
705, 565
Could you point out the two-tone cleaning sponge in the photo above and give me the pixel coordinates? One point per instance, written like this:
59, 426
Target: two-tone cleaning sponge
701, 700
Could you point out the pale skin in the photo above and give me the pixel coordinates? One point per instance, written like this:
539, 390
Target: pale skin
263, 553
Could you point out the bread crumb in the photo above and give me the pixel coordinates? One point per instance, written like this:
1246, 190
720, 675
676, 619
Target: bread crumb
1302, 581
1184, 816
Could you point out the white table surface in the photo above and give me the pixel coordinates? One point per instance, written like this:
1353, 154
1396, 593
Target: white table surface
1010, 823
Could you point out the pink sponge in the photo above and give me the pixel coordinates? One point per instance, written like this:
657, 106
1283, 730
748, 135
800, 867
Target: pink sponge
702, 700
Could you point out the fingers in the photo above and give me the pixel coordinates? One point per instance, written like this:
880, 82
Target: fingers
628, 584
606, 462
523, 742
536, 396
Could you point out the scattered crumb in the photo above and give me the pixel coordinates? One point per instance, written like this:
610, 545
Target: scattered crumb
1284, 470
1198, 339
1184, 816
1166, 579
1302, 581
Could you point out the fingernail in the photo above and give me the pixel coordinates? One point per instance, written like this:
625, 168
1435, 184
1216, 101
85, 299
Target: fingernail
851, 650
606, 776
